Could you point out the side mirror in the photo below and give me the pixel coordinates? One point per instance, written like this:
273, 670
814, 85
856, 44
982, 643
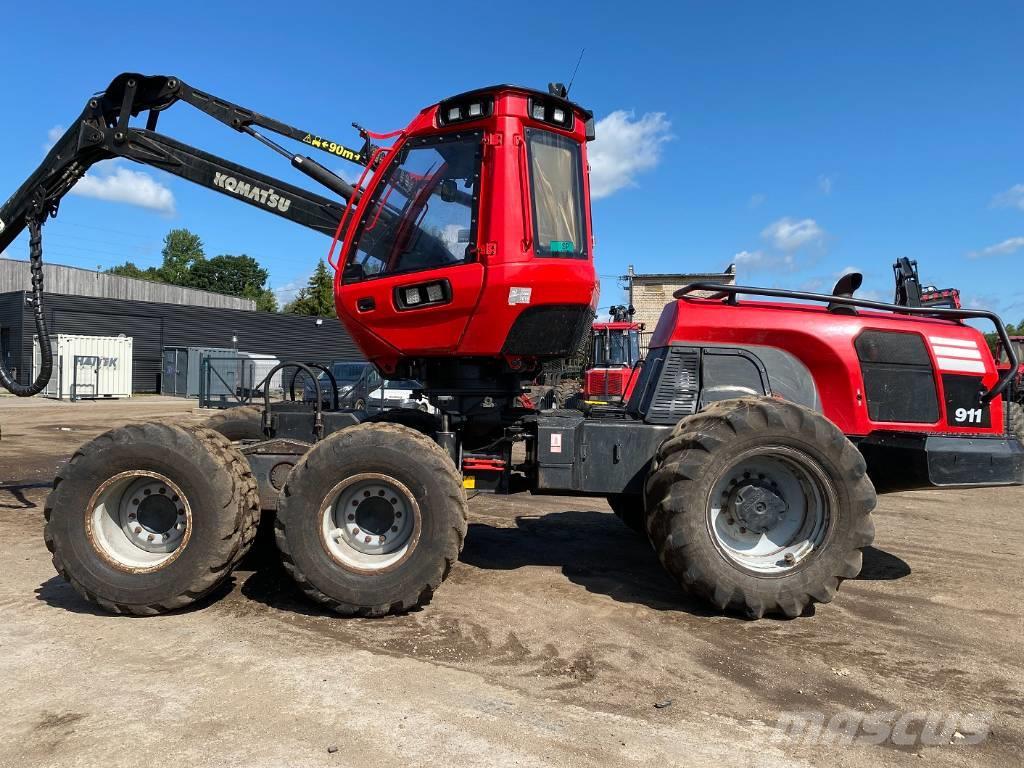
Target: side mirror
353, 273
449, 190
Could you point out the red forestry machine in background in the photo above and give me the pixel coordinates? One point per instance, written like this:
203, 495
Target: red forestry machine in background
464, 261
614, 360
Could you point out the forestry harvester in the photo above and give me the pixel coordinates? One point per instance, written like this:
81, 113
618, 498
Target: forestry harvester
464, 260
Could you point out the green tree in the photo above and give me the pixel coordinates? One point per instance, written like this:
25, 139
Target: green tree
317, 298
182, 251
129, 269
235, 276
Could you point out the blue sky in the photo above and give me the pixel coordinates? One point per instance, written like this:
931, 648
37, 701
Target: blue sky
798, 139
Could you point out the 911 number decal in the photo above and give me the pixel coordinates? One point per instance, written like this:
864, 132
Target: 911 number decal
968, 415
963, 402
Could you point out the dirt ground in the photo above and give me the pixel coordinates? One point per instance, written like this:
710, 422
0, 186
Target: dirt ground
550, 644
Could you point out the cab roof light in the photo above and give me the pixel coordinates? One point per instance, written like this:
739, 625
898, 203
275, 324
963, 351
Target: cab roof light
553, 111
463, 109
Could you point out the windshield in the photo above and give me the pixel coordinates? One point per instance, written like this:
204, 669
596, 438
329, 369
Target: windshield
556, 177
346, 373
423, 214
616, 347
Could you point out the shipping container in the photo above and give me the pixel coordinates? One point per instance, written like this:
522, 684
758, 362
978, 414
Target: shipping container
262, 365
182, 373
86, 367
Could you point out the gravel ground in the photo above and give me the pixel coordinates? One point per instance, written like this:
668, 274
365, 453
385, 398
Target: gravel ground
551, 644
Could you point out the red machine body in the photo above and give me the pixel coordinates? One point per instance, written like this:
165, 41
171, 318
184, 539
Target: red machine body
615, 354
832, 349
515, 284
1003, 362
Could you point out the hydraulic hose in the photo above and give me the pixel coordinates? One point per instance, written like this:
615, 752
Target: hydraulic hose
35, 248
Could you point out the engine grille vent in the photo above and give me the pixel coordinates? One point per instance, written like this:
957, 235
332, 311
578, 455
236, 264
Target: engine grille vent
678, 387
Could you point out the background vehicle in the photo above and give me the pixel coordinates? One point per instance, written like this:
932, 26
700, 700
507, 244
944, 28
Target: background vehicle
614, 359
355, 380
464, 261
399, 393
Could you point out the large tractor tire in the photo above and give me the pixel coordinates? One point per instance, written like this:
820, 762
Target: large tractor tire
372, 519
760, 506
236, 424
630, 510
151, 517
1016, 420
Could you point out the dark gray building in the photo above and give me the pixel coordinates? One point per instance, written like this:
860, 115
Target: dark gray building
155, 325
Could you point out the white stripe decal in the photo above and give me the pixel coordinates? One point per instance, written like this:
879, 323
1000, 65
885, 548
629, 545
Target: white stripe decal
964, 366
969, 354
953, 342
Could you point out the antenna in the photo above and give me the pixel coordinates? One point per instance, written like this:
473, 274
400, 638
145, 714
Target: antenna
582, 51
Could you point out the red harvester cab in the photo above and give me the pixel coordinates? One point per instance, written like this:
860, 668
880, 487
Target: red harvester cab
472, 237
615, 354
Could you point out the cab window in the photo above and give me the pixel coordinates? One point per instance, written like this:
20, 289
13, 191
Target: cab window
423, 215
556, 180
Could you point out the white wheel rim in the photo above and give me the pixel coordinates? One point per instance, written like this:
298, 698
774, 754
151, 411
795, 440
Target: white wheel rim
139, 521
370, 522
771, 510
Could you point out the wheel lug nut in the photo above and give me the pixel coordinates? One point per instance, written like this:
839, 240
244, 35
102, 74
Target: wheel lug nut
131, 515
394, 529
789, 558
383, 539
366, 494
163, 490
135, 502
367, 539
380, 493
398, 514
351, 517
355, 502
150, 537
394, 501
146, 492
137, 531
355, 531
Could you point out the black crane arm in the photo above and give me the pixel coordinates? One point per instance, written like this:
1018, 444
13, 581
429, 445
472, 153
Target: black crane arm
103, 132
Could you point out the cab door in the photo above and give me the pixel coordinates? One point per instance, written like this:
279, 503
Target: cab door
411, 277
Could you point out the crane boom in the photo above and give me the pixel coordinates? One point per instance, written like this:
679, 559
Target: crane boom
103, 132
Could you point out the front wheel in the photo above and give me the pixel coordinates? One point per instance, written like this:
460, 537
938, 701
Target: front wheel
372, 519
760, 506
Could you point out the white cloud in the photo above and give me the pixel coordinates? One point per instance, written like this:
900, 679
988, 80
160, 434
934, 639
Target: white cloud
825, 184
1011, 198
287, 292
52, 136
760, 261
1008, 246
625, 147
113, 182
757, 200
789, 235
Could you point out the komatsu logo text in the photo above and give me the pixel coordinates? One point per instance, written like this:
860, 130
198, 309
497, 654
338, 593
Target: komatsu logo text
257, 194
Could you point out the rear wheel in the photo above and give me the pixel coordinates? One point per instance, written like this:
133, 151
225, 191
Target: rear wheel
148, 518
372, 520
630, 510
760, 506
1016, 420
242, 423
